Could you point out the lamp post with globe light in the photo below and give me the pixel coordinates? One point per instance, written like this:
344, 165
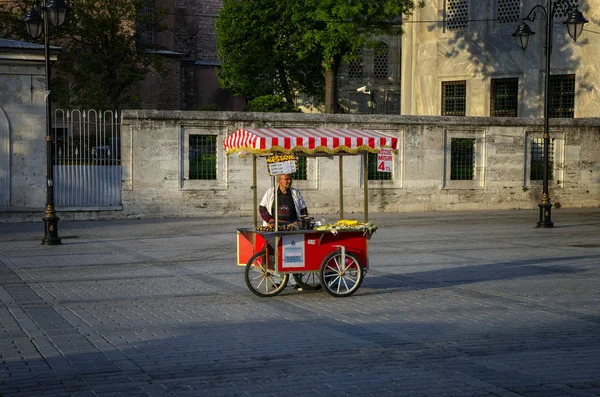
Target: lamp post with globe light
37, 19
575, 22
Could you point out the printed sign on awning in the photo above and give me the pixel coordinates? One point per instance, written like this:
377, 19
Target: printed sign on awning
282, 164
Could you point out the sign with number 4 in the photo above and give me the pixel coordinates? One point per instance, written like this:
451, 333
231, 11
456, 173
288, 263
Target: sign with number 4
384, 160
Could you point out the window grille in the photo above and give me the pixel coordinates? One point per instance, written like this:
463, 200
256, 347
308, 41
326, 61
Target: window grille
144, 24
561, 9
536, 172
381, 63
561, 96
457, 14
504, 97
454, 98
508, 11
462, 159
358, 103
372, 173
203, 157
301, 171
355, 67
392, 103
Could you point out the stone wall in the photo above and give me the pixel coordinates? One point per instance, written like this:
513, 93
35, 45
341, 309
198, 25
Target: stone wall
155, 158
22, 126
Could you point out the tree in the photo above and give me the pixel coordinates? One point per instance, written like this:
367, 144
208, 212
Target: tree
101, 63
259, 46
260, 40
341, 27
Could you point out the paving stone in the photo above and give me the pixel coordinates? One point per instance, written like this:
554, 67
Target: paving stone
454, 304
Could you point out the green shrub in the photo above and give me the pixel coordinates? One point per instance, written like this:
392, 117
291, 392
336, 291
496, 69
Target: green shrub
213, 107
270, 103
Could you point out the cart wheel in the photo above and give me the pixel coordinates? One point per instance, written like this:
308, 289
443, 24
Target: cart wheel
308, 281
260, 279
341, 279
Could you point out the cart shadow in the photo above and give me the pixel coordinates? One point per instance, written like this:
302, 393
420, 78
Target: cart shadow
378, 282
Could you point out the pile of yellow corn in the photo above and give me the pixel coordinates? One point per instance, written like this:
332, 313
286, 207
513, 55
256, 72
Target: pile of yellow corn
348, 224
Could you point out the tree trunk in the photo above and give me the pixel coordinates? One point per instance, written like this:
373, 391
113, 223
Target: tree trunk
287, 93
331, 91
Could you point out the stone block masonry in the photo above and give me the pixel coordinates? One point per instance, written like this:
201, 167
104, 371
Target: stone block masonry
156, 183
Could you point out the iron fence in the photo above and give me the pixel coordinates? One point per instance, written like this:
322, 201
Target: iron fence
86, 158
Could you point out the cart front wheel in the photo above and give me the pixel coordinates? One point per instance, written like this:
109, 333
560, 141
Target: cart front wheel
308, 281
261, 278
341, 277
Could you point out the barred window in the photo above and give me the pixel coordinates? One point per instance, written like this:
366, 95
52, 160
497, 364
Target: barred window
144, 24
504, 97
392, 103
536, 172
457, 14
355, 67
508, 11
382, 60
462, 159
301, 172
203, 157
454, 98
561, 96
372, 173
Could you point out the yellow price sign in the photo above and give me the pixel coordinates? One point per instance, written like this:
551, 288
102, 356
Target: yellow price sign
280, 158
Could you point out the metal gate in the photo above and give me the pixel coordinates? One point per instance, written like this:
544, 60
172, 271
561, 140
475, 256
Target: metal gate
86, 159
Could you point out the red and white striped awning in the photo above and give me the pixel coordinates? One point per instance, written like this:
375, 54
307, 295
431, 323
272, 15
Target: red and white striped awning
307, 140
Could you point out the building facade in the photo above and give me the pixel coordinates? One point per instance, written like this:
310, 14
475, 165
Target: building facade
189, 51
459, 58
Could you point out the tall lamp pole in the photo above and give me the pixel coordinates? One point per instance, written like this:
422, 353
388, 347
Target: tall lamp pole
574, 22
55, 11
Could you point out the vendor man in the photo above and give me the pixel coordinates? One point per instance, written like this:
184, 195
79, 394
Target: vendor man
289, 200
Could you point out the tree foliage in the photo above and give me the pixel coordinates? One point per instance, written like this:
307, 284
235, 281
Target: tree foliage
271, 103
262, 43
101, 64
259, 46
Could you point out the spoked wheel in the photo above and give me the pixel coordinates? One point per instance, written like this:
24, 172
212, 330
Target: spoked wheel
261, 279
308, 281
341, 277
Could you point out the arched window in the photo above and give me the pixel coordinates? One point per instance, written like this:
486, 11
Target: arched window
457, 14
355, 67
381, 62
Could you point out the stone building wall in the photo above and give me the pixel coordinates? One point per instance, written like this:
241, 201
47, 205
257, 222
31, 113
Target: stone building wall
433, 52
189, 48
22, 125
155, 155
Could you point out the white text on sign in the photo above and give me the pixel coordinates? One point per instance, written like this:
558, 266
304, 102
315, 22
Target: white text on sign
384, 160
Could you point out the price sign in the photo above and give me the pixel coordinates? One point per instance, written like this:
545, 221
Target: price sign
384, 160
283, 164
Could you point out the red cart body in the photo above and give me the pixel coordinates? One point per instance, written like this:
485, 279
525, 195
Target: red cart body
303, 250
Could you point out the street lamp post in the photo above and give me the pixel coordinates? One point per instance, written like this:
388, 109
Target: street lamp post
55, 11
574, 22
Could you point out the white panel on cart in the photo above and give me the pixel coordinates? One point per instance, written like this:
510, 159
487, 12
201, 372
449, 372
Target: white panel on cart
293, 251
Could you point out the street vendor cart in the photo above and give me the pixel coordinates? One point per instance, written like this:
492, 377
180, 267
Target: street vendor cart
329, 256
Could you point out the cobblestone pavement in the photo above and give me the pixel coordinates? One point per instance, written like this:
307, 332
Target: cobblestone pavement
455, 304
